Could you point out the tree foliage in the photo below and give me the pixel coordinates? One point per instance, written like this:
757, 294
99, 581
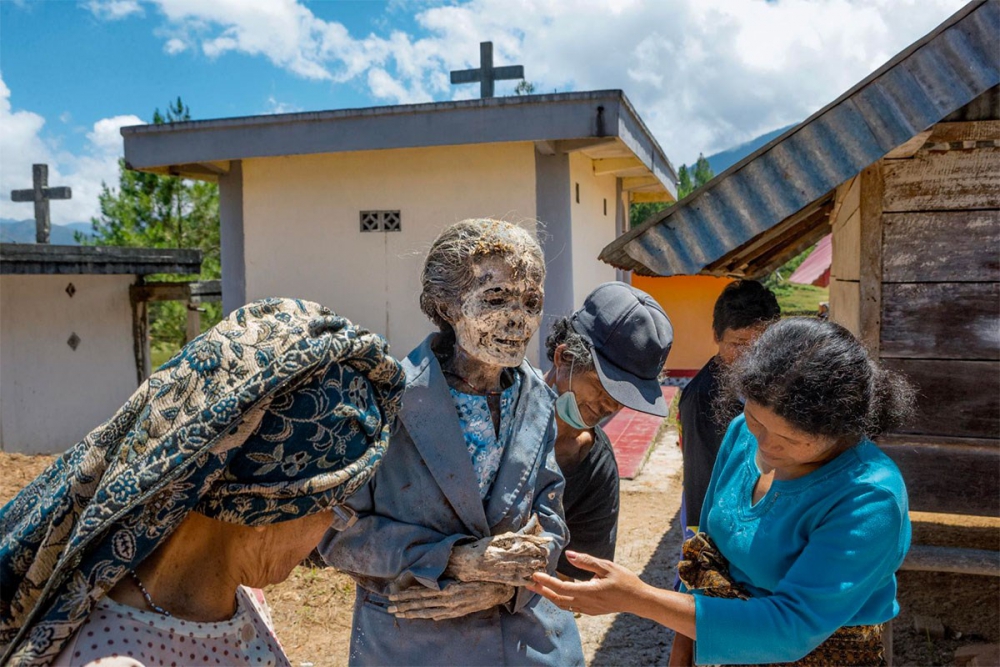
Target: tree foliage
524, 87
688, 180
153, 211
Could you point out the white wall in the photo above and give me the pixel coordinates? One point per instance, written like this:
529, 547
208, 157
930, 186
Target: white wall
592, 228
50, 395
301, 225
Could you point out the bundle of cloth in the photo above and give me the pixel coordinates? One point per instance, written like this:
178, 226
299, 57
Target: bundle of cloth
280, 411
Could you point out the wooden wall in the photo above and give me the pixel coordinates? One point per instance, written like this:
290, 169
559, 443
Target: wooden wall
916, 274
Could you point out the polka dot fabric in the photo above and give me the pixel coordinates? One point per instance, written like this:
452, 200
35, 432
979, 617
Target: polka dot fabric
121, 636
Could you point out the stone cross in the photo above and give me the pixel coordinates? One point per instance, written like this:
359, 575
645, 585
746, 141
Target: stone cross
41, 193
487, 74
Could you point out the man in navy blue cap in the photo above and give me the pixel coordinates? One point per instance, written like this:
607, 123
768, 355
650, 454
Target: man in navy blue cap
605, 356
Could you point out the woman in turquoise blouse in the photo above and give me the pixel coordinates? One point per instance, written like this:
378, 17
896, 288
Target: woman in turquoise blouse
805, 520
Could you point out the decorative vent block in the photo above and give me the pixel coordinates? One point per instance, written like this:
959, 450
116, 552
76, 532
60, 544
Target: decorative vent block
381, 221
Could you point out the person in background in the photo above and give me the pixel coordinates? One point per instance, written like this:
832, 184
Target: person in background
805, 521
605, 356
742, 312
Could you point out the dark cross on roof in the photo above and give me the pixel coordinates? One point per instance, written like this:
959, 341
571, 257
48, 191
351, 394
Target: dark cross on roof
487, 74
41, 193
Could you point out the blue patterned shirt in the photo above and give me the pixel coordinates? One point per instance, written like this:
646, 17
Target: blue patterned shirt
485, 448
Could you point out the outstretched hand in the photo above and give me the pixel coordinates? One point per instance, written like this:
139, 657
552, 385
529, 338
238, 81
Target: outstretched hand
613, 588
510, 558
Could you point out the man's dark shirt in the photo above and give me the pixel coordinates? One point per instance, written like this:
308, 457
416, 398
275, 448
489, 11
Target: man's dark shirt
591, 505
701, 436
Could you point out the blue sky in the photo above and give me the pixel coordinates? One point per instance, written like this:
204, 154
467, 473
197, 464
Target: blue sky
705, 75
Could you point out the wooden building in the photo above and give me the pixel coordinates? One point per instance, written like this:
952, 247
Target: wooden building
904, 169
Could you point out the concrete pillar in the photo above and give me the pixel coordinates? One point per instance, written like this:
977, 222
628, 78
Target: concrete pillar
234, 276
553, 205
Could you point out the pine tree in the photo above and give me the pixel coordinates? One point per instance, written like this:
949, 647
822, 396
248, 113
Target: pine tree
702, 172
684, 184
153, 211
524, 87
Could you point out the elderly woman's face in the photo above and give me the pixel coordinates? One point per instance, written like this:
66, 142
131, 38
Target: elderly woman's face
279, 547
499, 314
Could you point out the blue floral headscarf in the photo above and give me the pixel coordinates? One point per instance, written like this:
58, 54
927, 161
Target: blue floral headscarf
281, 410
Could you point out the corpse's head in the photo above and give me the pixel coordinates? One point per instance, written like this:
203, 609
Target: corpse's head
482, 286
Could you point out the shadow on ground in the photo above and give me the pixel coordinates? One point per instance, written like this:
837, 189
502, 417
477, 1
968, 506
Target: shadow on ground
645, 642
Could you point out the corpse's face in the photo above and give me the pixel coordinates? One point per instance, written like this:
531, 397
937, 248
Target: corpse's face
500, 313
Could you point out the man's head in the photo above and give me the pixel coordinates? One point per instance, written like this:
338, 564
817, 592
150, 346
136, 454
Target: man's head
610, 352
742, 312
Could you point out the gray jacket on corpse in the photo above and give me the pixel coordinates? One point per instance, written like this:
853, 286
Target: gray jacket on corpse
424, 499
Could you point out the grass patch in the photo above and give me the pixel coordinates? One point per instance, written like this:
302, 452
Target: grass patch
800, 299
160, 353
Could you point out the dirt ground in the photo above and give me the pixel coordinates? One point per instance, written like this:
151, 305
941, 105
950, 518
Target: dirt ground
312, 610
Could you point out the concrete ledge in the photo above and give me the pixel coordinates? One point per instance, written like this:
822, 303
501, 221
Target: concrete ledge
43, 259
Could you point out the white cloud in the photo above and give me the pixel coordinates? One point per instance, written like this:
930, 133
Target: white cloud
113, 10
174, 46
704, 74
273, 106
22, 144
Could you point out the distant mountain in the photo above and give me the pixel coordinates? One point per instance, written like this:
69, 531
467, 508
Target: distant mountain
727, 158
723, 160
23, 231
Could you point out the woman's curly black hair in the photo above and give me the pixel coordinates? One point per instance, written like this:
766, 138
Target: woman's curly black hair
820, 379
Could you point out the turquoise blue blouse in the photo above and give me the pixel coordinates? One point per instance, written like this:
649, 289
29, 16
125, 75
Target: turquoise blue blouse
817, 553
484, 445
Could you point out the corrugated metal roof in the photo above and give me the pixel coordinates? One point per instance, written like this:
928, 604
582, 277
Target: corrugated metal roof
935, 76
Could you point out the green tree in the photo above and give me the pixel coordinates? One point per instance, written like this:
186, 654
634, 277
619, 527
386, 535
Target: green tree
684, 183
153, 211
524, 88
702, 172
639, 213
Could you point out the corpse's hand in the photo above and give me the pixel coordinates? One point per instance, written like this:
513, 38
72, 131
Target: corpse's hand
609, 592
510, 558
458, 599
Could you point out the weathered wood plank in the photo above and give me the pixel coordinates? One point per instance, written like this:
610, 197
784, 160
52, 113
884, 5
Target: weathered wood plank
950, 246
922, 558
955, 398
956, 180
941, 320
846, 263
893, 439
983, 130
845, 297
906, 150
950, 480
870, 265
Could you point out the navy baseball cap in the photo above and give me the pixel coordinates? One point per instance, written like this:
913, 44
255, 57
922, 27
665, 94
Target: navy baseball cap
630, 337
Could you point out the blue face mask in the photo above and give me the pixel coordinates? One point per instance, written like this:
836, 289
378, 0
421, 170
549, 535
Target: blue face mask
567, 408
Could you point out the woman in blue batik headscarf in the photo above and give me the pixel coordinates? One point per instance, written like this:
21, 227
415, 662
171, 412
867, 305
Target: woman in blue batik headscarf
142, 544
